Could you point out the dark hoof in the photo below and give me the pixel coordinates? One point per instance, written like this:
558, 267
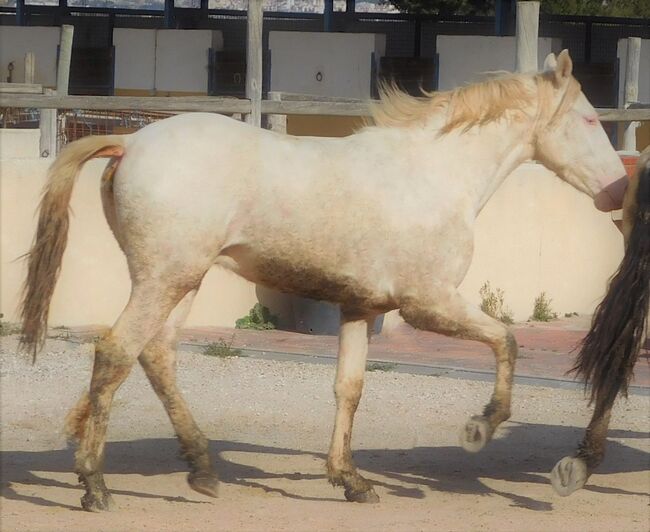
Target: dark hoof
102, 502
368, 496
569, 475
475, 434
206, 483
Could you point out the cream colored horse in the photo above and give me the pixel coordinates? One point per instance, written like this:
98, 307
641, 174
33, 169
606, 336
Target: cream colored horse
379, 220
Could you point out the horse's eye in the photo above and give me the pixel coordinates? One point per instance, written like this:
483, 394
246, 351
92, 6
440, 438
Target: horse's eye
592, 120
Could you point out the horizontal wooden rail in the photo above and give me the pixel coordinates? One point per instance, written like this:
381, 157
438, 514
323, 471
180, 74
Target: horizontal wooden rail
21, 88
127, 103
315, 107
623, 115
293, 105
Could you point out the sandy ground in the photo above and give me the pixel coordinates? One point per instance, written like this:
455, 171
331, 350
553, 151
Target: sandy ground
269, 424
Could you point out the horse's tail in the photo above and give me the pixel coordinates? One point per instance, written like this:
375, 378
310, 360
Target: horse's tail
44, 258
612, 346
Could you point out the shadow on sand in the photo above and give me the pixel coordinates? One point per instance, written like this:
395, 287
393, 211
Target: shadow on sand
524, 455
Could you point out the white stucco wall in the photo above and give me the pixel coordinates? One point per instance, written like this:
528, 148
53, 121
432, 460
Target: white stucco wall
94, 283
182, 60
16, 41
343, 60
135, 58
163, 60
644, 70
464, 58
535, 234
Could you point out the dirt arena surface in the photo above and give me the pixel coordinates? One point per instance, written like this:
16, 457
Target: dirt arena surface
269, 424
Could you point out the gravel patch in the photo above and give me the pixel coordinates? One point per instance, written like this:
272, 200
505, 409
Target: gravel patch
271, 421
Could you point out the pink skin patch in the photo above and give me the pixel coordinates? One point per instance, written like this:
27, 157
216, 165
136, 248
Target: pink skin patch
610, 198
109, 151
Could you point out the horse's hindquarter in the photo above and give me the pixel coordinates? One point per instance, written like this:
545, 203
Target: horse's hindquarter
346, 220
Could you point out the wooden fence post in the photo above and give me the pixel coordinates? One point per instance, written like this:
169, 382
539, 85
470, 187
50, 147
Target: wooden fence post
48, 127
63, 65
48, 121
627, 130
30, 67
277, 123
527, 36
254, 61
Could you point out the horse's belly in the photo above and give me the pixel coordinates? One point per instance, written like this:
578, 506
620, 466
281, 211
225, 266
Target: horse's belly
314, 277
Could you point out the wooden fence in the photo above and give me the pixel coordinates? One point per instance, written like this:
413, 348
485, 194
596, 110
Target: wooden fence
278, 106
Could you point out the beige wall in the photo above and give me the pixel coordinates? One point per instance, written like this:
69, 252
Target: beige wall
539, 234
466, 58
163, 61
94, 282
344, 61
536, 234
16, 41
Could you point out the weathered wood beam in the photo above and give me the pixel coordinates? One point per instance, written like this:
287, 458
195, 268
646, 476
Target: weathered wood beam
294, 104
631, 90
30, 68
65, 56
526, 36
149, 103
254, 61
623, 115
21, 88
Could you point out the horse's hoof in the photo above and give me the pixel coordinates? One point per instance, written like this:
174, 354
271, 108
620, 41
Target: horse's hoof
368, 496
205, 483
569, 475
102, 502
475, 434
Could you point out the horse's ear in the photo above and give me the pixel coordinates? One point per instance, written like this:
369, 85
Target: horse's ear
550, 63
564, 67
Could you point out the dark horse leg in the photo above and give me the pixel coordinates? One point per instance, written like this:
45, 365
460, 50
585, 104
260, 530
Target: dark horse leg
572, 472
448, 313
150, 303
158, 360
613, 344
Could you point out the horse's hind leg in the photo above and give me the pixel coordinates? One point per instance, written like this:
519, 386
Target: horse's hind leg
150, 304
448, 313
351, 365
572, 472
159, 362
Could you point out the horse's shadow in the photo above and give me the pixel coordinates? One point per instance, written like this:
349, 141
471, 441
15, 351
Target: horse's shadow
524, 455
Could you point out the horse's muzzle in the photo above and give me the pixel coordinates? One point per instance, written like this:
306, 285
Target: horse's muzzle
611, 197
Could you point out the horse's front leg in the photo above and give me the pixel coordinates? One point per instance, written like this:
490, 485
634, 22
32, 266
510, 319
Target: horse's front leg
448, 313
572, 472
351, 365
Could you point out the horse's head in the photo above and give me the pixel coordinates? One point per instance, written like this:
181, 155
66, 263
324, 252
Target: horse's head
571, 140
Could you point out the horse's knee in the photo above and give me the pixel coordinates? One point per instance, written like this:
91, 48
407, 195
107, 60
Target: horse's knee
112, 365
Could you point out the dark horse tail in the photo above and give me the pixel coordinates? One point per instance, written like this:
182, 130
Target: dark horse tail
612, 346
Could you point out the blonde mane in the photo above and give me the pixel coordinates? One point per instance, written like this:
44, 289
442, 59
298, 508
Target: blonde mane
476, 104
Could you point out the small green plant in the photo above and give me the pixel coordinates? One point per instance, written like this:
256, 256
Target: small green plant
542, 309
570, 314
7, 328
492, 303
379, 366
222, 349
259, 318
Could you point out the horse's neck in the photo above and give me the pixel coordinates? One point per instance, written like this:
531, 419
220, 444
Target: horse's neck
491, 153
